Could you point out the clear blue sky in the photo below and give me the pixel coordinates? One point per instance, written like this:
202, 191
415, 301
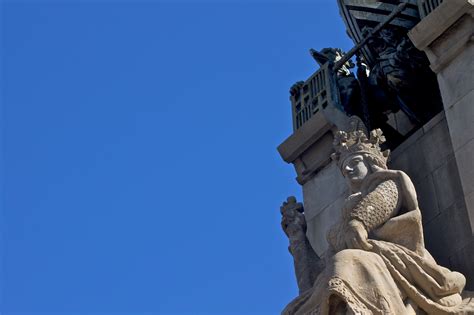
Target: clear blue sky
139, 165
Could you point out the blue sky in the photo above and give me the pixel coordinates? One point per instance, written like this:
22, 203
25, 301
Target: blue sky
139, 165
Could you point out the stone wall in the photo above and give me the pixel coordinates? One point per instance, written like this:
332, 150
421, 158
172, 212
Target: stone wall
323, 197
428, 157
446, 36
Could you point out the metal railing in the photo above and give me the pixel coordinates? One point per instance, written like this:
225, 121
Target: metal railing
427, 6
315, 94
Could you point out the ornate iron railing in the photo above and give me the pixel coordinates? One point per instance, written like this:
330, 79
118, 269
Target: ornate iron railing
315, 94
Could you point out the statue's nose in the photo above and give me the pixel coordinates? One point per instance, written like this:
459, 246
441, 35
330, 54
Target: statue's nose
348, 169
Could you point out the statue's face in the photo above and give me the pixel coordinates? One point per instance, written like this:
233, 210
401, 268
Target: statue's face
355, 169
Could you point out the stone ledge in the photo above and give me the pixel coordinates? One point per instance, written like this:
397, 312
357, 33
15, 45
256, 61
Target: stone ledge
434, 121
304, 137
444, 33
405, 145
310, 147
417, 135
438, 21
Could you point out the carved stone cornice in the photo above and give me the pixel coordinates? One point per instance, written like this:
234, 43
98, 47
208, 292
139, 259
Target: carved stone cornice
455, 17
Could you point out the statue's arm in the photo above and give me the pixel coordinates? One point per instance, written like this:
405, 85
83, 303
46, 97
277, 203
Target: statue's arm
379, 205
307, 263
392, 189
410, 198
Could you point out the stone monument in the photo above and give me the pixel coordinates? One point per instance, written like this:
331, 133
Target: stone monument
377, 262
361, 248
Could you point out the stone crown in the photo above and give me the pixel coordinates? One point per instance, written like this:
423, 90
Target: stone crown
357, 142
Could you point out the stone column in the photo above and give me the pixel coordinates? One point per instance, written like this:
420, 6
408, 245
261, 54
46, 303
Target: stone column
446, 35
309, 149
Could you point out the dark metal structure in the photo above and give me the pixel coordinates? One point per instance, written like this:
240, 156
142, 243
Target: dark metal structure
365, 14
427, 6
393, 77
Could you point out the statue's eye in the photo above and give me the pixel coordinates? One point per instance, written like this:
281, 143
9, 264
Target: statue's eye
355, 162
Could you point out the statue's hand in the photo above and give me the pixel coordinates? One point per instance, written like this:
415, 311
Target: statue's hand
307, 264
293, 221
356, 236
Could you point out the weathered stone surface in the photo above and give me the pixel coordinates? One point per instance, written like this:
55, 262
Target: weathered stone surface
446, 36
319, 225
455, 80
437, 22
448, 232
316, 157
321, 190
470, 208
404, 161
433, 122
447, 184
444, 33
412, 140
427, 198
465, 163
460, 119
459, 259
450, 47
435, 146
309, 148
400, 150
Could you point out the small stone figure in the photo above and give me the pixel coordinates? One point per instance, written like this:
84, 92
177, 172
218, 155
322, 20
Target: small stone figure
377, 262
307, 263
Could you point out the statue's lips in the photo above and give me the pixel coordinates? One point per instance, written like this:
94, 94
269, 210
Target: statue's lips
353, 175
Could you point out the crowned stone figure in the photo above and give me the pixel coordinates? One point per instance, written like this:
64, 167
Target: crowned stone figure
377, 262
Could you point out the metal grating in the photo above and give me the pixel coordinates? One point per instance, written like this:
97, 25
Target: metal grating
358, 14
427, 6
314, 95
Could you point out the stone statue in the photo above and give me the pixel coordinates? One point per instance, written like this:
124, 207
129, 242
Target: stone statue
307, 263
377, 262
